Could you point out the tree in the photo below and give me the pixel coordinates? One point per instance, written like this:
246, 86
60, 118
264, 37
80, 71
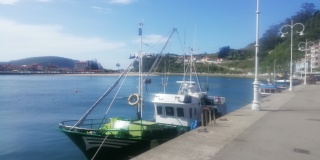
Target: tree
307, 11
93, 65
223, 52
118, 66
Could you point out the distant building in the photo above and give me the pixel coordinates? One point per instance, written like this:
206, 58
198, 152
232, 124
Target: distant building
205, 59
315, 55
312, 60
35, 67
81, 66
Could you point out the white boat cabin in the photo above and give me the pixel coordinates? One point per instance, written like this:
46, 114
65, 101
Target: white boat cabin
185, 107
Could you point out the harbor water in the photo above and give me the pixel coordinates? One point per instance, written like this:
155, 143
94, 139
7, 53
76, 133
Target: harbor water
31, 106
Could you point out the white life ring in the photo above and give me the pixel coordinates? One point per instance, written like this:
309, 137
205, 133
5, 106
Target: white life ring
134, 97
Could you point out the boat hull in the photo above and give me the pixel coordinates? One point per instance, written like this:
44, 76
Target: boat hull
111, 149
94, 143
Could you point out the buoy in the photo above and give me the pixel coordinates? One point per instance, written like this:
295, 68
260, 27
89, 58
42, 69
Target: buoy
134, 99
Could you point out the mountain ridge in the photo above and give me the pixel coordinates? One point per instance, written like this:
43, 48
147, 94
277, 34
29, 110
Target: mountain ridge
60, 62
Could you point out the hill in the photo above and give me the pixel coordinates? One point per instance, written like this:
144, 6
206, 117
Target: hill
45, 61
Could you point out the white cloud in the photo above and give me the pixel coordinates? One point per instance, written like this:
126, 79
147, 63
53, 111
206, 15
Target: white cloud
9, 2
100, 9
29, 40
121, 1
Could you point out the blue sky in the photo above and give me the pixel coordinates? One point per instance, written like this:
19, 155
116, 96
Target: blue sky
107, 30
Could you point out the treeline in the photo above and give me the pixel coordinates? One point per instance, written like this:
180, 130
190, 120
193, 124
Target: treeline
173, 64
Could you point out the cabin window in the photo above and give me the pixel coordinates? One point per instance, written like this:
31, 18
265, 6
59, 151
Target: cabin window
180, 112
267, 90
190, 112
169, 111
195, 111
159, 110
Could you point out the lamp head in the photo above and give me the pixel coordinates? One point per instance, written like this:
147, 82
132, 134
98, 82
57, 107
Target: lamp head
282, 35
300, 48
301, 34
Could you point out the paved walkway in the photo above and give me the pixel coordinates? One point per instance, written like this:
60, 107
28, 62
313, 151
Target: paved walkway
287, 128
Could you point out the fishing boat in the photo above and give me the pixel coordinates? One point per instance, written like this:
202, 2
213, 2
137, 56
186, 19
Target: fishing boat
268, 89
124, 138
191, 106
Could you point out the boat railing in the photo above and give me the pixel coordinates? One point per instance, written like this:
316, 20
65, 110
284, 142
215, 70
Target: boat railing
222, 100
217, 99
88, 124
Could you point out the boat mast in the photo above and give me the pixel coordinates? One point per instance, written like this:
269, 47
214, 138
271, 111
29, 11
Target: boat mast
140, 91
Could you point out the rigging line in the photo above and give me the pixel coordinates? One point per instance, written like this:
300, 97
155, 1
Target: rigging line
194, 67
184, 76
161, 54
158, 42
156, 67
116, 94
83, 118
145, 95
105, 115
183, 51
157, 59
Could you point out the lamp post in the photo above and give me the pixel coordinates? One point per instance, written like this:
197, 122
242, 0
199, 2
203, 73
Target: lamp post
282, 35
256, 102
306, 48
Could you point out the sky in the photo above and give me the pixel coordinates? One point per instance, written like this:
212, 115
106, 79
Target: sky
107, 30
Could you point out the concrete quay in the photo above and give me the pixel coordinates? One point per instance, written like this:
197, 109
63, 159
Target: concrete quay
287, 128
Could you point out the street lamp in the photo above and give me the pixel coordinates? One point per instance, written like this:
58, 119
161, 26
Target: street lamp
256, 96
306, 48
282, 35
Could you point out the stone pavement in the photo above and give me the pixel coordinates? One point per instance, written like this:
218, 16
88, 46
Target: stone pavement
287, 127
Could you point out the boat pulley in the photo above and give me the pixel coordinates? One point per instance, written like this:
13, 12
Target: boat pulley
134, 99
147, 81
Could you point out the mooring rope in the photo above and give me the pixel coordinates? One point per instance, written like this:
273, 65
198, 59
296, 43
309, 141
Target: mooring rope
99, 148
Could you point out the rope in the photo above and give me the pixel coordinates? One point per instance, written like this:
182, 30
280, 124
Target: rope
99, 148
105, 115
116, 94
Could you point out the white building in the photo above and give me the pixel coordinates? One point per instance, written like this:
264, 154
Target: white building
312, 60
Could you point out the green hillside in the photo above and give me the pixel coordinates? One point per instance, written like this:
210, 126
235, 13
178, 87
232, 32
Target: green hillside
276, 48
45, 61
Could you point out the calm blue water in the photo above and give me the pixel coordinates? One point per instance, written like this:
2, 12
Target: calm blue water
31, 106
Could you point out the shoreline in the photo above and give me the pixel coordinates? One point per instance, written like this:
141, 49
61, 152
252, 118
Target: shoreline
136, 74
